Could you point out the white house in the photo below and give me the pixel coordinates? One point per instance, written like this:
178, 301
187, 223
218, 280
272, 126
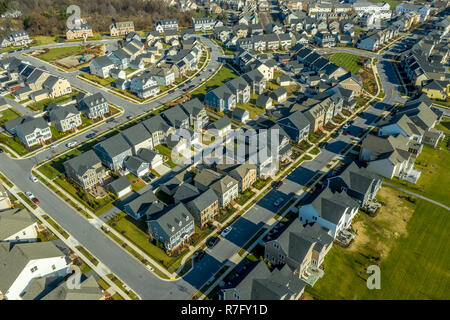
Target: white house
34, 131
331, 210
144, 86
5, 202
101, 66
421, 9
27, 261
17, 226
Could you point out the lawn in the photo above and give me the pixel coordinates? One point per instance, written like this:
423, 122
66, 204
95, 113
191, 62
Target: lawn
101, 81
44, 40
136, 183
54, 54
224, 74
408, 241
350, 62
8, 115
165, 151
40, 105
435, 167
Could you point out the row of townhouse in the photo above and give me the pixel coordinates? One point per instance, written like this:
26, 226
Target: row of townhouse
266, 42
15, 38
132, 149
299, 251
25, 81
205, 24
373, 40
400, 140
80, 31
37, 131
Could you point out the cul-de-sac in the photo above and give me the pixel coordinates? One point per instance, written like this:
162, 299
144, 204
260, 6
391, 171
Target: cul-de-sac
224, 150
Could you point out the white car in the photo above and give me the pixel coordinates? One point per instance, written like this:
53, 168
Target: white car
29, 194
226, 231
54, 146
33, 178
71, 144
346, 126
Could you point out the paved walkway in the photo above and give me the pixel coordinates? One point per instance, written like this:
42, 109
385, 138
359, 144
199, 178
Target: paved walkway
417, 195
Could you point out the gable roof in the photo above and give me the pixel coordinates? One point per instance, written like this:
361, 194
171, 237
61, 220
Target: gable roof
84, 162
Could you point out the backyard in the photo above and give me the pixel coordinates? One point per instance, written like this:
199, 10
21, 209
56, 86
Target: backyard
434, 166
62, 52
222, 76
407, 240
350, 62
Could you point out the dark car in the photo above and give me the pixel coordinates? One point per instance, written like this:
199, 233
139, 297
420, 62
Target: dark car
212, 242
199, 254
1, 150
111, 120
278, 184
90, 135
151, 175
187, 82
171, 91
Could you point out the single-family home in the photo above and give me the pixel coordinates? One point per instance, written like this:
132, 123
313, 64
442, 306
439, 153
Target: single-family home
93, 106
113, 151
86, 170
17, 226
138, 138
65, 118
120, 187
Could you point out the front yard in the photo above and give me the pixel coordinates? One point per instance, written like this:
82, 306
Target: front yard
223, 75
409, 243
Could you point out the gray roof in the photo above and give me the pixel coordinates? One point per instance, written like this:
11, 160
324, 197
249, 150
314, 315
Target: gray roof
14, 260
175, 116
103, 61
93, 100
186, 192
204, 200
238, 113
147, 154
133, 163
156, 123
82, 163
114, 145
193, 106
224, 184
88, 290
29, 126
331, 206
59, 113
142, 202
182, 176
358, 179
220, 123
136, 134
174, 219
13, 221
207, 177
119, 184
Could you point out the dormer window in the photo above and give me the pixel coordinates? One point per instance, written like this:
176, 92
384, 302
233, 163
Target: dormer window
180, 223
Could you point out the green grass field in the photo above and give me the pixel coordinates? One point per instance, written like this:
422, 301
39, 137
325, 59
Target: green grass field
8, 115
348, 61
61, 52
224, 74
413, 257
435, 167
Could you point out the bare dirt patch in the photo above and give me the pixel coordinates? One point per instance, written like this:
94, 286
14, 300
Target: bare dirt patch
389, 224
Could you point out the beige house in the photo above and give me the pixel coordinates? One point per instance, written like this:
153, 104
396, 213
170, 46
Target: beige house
245, 174
121, 28
86, 170
57, 87
79, 32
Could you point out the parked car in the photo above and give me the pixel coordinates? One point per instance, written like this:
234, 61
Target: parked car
35, 200
346, 126
1, 150
33, 178
278, 202
29, 194
199, 254
212, 241
90, 135
111, 120
278, 184
71, 144
226, 231
171, 91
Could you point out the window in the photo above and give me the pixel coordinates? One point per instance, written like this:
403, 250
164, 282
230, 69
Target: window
53, 267
34, 269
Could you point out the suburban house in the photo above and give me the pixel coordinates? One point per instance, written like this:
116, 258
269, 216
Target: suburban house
331, 210
121, 58
256, 81
17, 226
113, 151
158, 128
245, 174
101, 66
296, 126
25, 262
171, 186
227, 189
220, 127
78, 32
359, 183
138, 138
144, 86
204, 208
120, 187
205, 24
196, 112
264, 101
390, 157
93, 106
136, 166
86, 170
299, 247
65, 118
144, 205
56, 87
176, 117
163, 76
205, 178
153, 158
240, 88
262, 284
33, 131
240, 115
168, 24
117, 29
403, 125
185, 193
172, 227
221, 98
279, 94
